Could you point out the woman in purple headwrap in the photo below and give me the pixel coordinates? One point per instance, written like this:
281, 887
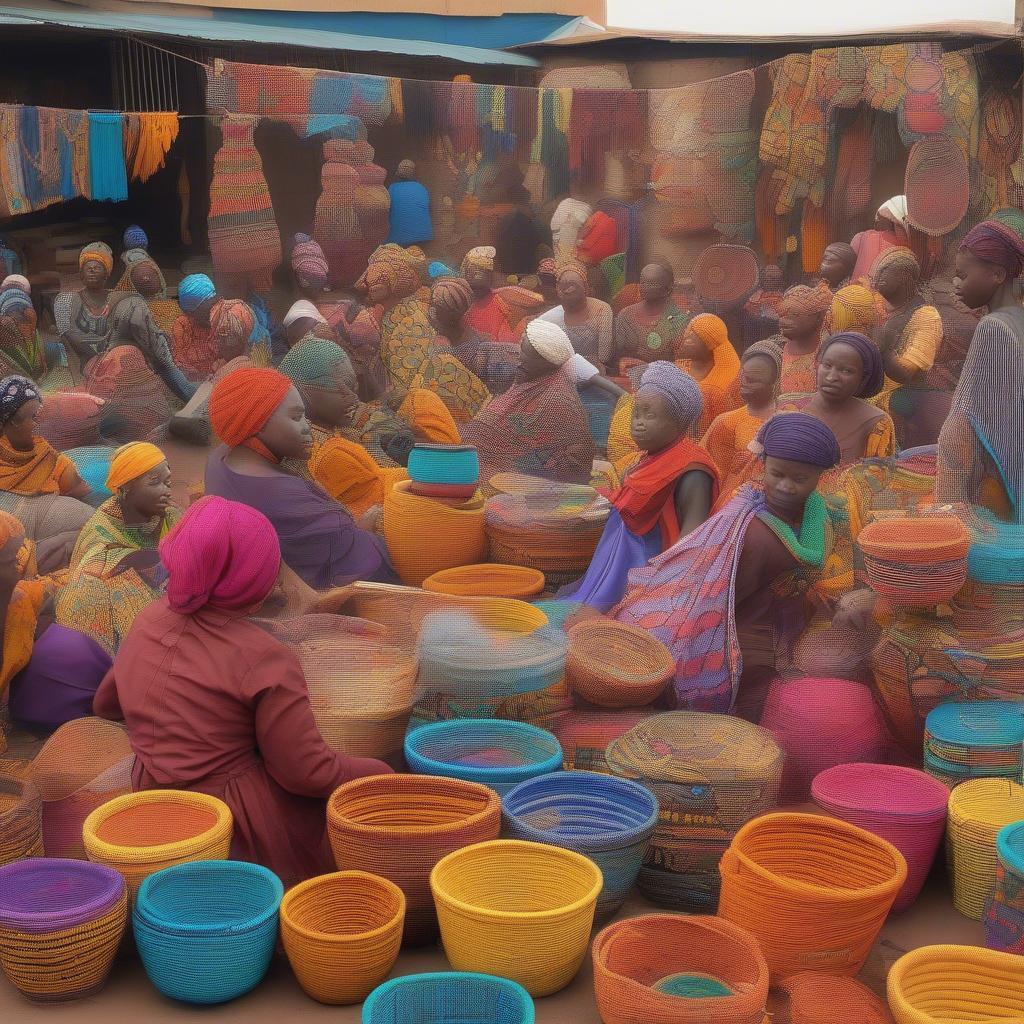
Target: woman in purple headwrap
981, 445
726, 599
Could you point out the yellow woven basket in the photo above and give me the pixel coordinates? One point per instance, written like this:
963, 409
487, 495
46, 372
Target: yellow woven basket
342, 933
140, 833
519, 910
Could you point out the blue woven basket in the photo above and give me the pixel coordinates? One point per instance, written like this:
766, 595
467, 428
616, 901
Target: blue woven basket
444, 464
975, 739
206, 929
446, 997
995, 555
607, 819
93, 465
490, 751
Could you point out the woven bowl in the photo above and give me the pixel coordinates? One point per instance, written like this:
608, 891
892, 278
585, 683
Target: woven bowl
447, 996
400, 826
670, 969
921, 540
916, 585
140, 833
606, 819
21, 823
444, 464
1004, 914
488, 579
342, 933
519, 910
615, 665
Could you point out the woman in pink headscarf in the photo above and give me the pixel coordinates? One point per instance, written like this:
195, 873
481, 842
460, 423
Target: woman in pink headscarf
214, 703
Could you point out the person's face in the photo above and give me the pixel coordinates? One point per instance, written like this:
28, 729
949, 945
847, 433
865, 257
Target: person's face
94, 274
795, 324
757, 380
531, 364
21, 427
570, 291
150, 494
889, 284
653, 426
788, 485
548, 283
313, 285
330, 406
833, 267
479, 279
655, 284
287, 433
298, 329
146, 280
377, 290
201, 314
692, 347
443, 319
840, 372
975, 281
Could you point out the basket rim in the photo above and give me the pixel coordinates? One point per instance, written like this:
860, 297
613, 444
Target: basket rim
458, 727
884, 772
383, 990
385, 884
72, 916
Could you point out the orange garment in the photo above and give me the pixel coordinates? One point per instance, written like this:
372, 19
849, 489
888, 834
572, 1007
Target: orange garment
799, 373
429, 417
242, 403
720, 385
40, 471
348, 473
726, 442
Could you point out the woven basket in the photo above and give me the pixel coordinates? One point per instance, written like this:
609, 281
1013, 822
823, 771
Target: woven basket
400, 826
725, 276
487, 580
206, 931
615, 665
956, 985
342, 933
492, 752
606, 819
145, 832
669, 969
447, 996
937, 185
61, 922
1004, 915
974, 739
813, 891
518, 910
585, 733
922, 540
21, 826
444, 464
821, 999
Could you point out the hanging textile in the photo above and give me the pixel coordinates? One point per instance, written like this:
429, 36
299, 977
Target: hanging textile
108, 178
156, 135
11, 174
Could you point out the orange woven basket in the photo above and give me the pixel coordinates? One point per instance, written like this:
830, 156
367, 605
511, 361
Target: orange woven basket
488, 579
820, 999
615, 665
922, 540
21, 825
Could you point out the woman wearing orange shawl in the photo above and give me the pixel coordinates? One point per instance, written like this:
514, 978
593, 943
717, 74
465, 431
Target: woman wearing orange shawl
801, 320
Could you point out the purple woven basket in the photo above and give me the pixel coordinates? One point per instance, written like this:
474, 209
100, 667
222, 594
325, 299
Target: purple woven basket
41, 895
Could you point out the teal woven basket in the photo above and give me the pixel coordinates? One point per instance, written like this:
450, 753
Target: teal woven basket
449, 997
444, 464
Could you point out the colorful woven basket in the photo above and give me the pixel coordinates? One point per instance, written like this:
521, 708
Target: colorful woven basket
21, 825
956, 985
518, 910
904, 806
937, 185
444, 464
586, 732
821, 999
977, 811
487, 580
974, 739
994, 557
61, 922
145, 832
615, 665
606, 819
725, 276
400, 826
342, 933
710, 774
813, 891
206, 930
670, 969
1004, 915
447, 996
495, 753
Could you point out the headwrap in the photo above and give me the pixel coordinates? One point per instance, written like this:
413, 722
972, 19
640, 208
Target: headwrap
547, 266
418, 258
452, 294
406, 169
242, 403
10, 526
15, 391
396, 266
135, 237
549, 341
319, 363
870, 357
131, 461
429, 417
13, 301
769, 350
517, 302
903, 261
16, 281
994, 241
100, 252
802, 299
895, 211
308, 258
710, 329
679, 389
576, 271
797, 437
438, 269
843, 251
303, 309
193, 291
222, 554
482, 256
853, 309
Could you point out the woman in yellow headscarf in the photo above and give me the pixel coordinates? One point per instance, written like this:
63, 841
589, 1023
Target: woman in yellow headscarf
854, 308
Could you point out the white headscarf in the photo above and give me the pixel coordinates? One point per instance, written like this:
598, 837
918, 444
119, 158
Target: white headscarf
549, 341
303, 309
895, 210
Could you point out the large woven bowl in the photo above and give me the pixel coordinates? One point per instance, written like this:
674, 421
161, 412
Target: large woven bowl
490, 751
400, 826
61, 923
615, 665
447, 996
813, 891
956, 985
606, 819
1004, 915
490, 579
518, 910
21, 823
140, 833
670, 969
342, 933
206, 930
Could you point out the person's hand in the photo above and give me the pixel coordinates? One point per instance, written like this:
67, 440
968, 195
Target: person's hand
854, 611
370, 520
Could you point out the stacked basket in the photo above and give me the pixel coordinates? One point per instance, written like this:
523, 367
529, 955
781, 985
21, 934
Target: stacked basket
487, 580
976, 740
447, 996
446, 472
1004, 915
21, 826
585, 733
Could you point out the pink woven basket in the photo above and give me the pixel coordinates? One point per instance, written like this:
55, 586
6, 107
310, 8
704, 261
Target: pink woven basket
904, 806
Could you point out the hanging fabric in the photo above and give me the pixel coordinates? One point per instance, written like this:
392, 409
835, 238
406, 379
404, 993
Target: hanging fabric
108, 178
157, 132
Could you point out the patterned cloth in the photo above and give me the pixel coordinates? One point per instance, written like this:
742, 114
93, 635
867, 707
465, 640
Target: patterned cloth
727, 442
646, 336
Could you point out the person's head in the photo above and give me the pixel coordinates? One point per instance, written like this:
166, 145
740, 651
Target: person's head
143, 273
892, 216
849, 366
545, 347
703, 334
667, 404
656, 283
450, 299
803, 310
853, 309
760, 370
302, 318
772, 278
17, 306
18, 281
135, 237
896, 275
429, 417
547, 277
478, 269
95, 265
309, 264
571, 287
796, 448
141, 479
837, 263
406, 171
263, 405
990, 257
196, 296
20, 403
324, 376
392, 274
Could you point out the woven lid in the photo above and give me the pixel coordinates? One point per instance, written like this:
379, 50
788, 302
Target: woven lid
937, 185
50, 894
725, 276
986, 723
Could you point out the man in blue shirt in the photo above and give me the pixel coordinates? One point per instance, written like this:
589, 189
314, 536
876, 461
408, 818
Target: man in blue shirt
410, 208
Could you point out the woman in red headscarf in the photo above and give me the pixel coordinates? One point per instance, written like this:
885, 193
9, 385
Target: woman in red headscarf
215, 704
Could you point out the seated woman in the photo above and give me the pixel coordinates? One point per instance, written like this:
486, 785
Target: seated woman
309, 265
261, 419
538, 426
664, 496
891, 228
588, 322
21, 349
651, 328
854, 308
143, 276
801, 319
837, 263
38, 485
724, 599
359, 334
81, 316
485, 314
730, 435
304, 320
707, 354
214, 704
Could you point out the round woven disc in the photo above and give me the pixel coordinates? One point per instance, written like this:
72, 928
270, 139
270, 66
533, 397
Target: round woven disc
726, 275
938, 185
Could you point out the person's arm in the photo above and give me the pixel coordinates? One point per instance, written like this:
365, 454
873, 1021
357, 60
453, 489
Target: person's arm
588, 375
693, 500
153, 343
904, 363
69, 481
70, 335
605, 335
105, 702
